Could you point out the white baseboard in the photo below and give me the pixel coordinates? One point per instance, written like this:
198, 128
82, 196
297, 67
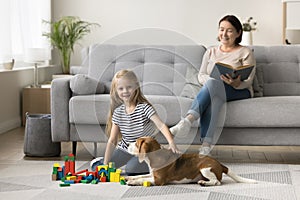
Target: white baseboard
9, 125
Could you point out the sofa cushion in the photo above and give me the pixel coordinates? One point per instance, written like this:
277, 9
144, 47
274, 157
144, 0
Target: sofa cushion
253, 112
277, 111
280, 66
192, 85
82, 84
160, 68
93, 109
89, 109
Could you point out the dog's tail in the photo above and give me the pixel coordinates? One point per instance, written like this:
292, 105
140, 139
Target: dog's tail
236, 177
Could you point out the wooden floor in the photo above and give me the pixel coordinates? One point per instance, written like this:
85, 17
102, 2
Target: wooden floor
11, 149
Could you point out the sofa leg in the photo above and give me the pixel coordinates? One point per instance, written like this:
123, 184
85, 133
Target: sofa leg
95, 149
74, 147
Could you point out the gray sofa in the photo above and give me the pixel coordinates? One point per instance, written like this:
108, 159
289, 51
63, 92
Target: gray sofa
168, 75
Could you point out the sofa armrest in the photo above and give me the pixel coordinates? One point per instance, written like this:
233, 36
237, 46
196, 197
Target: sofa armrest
60, 96
78, 70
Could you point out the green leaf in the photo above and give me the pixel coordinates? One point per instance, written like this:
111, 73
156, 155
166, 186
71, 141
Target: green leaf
65, 33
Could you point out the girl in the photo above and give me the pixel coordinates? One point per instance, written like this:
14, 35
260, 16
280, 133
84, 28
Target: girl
131, 116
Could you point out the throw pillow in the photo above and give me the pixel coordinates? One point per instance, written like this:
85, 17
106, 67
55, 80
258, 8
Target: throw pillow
82, 84
192, 85
258, 82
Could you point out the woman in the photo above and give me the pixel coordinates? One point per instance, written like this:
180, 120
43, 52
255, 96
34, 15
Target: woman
215, 93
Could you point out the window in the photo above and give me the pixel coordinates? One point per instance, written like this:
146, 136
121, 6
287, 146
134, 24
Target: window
22, 28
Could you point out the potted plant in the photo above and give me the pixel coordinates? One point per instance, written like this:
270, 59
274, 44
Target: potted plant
249, 25
64, 34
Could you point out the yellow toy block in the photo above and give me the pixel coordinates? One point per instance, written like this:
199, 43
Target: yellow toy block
102, 166
111, 165
114, 177
146, 184
56, 165
71, 178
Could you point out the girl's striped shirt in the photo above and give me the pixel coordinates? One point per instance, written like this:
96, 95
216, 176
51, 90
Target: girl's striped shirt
134, 125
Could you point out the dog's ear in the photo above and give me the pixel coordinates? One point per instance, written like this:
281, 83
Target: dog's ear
141, 145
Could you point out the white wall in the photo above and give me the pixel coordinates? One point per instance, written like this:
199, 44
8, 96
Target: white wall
11, 85
196, 19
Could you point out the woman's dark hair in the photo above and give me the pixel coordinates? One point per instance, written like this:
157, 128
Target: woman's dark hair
235, 22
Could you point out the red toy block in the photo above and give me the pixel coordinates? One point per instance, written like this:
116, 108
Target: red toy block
81, 172
103, 179
67, 165
72, 167
72, 163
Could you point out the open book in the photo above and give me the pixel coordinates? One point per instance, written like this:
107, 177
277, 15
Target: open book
222, 68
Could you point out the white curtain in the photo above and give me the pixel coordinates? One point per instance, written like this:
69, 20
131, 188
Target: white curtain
22, 27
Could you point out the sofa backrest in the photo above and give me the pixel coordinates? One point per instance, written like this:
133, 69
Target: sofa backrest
161, 69
279, 69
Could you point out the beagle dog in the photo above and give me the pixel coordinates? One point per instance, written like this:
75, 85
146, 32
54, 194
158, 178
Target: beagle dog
167, 167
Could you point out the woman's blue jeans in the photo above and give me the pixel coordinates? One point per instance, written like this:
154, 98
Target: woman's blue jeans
208, 104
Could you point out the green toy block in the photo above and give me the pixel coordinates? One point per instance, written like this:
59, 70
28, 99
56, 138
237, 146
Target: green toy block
94, 182
122, 182
66, 158
84, 181
64, 184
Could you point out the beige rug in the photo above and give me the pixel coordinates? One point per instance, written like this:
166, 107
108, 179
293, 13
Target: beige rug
32, 180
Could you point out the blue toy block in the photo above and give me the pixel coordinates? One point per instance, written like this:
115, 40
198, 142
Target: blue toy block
69, 181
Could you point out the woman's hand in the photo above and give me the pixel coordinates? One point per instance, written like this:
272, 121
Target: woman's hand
230, 81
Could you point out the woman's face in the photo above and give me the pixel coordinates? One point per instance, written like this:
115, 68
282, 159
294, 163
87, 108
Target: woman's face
227, 33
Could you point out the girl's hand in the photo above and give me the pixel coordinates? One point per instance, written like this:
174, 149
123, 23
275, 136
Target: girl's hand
174, 148
230, 81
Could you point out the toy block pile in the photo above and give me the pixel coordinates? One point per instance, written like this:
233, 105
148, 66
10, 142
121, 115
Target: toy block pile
68, 176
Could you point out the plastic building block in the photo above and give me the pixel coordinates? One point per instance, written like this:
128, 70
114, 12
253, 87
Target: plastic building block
54, 177
69, 181
122, 181
103, 179
111, 165
103, 173
90, 178
146, 184
71, 178
67, 165
114, 177
95, 181
64, 184
81, 172
84, 181
72, 163
105, 167
56, 165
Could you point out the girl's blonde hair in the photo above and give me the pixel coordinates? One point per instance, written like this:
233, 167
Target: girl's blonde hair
115, 101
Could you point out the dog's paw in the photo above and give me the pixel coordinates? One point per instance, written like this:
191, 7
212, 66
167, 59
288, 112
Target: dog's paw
133, 182
202, 182
209, 183
129, 178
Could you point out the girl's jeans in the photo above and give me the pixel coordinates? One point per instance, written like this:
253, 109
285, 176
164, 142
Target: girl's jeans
208, 104
133, 166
